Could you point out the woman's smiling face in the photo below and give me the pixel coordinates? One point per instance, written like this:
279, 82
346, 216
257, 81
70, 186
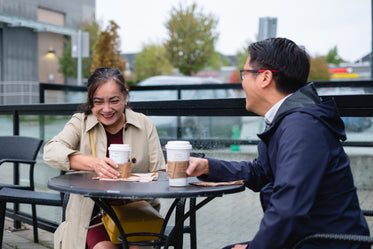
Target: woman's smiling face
108, 105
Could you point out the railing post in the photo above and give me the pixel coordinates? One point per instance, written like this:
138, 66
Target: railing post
41, 117
16, 224
178, 118
41, 93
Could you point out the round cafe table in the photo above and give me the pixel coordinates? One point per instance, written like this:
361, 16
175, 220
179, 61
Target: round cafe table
103, 191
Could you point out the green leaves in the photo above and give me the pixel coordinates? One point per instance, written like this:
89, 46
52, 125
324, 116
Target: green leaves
152, 61
192, 37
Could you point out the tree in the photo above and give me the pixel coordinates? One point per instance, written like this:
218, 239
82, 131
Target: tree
68, 64
107, 49
152, 61
192, 37
215, 62
241, 57
333, 58
226, 62
319, 69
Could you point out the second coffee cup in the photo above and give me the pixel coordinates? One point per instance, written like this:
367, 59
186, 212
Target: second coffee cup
177, 162
120, 153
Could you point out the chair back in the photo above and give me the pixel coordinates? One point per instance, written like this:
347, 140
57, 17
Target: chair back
19, 148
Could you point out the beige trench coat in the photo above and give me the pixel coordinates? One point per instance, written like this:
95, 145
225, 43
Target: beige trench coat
146, 156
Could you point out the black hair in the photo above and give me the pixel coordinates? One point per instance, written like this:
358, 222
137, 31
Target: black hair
292, 62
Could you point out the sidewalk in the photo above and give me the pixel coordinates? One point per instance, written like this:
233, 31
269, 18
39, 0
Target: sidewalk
226, 220
24, 239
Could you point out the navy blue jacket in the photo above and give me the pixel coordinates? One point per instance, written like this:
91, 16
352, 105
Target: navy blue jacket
303, 175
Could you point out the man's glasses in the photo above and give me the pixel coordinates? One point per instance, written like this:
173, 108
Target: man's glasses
243, 71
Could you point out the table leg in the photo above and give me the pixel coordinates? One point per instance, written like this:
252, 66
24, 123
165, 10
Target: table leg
179, 224
175, 234
193, 225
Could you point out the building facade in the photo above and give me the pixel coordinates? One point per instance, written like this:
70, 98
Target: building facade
32, 34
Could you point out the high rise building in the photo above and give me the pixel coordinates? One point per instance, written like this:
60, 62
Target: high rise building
267, 28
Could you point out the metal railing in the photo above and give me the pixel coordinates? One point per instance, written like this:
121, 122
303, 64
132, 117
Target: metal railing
43, 87
348, 105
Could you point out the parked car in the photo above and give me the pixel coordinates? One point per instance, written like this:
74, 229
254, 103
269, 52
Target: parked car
191, 127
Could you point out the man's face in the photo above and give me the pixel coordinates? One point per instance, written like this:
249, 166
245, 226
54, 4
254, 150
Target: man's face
250, 86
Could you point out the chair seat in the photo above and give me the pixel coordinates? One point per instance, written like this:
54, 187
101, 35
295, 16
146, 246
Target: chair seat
30, 197
3, 185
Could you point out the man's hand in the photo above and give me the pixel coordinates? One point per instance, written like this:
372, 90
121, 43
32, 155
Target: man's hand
238, 246
197, 166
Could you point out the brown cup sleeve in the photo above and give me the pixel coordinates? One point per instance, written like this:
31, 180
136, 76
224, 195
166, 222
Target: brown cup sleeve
124, 169
177, 169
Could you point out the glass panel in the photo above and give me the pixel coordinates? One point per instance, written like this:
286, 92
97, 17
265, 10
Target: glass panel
55, 97
358, 128
151, 95
344, 90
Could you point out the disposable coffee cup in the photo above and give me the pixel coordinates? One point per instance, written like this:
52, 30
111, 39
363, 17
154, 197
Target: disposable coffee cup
120, 153
177, 162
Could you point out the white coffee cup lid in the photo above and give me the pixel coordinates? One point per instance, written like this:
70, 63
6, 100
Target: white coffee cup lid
178, 145
120, 147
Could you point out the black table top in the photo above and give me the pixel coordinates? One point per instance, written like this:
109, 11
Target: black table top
83, 184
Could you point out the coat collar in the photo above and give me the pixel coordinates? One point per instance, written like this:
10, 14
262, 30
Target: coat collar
305, 96
131, 119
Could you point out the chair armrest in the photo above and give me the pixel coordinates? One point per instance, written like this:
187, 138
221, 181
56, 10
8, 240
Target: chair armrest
367, 212
17, 161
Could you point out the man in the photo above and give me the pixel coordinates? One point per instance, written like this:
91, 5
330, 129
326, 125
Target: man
302, 171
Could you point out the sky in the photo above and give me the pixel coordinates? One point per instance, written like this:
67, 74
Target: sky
318, 25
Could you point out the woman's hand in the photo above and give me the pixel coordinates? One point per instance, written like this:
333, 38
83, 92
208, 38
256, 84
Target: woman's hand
105, 168
197, 166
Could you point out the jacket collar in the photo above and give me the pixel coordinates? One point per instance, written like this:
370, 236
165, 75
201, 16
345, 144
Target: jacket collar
131, 119
305, 96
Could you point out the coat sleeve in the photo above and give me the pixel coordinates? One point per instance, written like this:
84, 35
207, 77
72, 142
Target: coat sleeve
301, 153
252, 173
57, 151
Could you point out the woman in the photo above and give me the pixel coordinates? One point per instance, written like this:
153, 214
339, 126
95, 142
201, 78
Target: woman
109, 119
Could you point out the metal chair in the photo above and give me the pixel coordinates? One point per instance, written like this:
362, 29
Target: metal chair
20, 150
341, 238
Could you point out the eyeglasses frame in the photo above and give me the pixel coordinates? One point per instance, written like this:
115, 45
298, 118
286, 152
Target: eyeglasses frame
242, 71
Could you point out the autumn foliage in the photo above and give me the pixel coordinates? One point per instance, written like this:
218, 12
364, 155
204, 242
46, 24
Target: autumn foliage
107, 49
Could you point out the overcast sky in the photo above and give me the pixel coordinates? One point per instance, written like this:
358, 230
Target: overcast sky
319, 25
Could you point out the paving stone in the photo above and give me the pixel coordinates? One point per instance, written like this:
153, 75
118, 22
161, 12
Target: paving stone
225, 220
